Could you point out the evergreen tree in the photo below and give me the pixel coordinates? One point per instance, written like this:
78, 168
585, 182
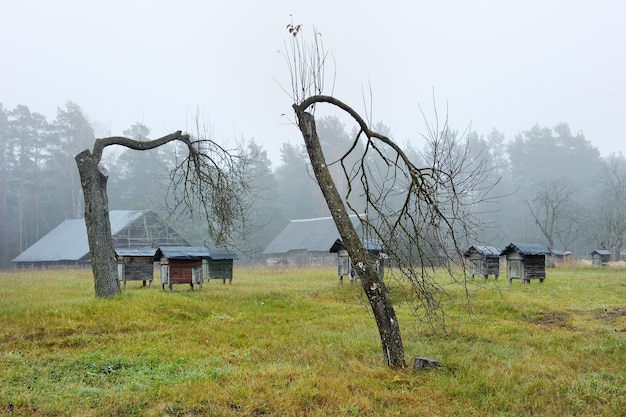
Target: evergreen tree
297, 189
71, 133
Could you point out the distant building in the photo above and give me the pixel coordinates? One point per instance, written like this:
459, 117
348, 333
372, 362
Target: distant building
306, 242
67, 244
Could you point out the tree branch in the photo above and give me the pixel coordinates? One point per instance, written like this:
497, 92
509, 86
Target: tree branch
100, 144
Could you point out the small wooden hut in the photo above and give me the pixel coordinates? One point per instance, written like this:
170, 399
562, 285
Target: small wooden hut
181, 265
135, 264
484, 260
525, 261
600, 257
559, 257
218, 264
344, 265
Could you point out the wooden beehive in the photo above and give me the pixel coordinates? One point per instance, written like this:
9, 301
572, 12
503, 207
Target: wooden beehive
525, 261
135, 264
484, 260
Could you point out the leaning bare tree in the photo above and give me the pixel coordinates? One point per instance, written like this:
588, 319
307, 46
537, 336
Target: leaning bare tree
420, 214
210, 179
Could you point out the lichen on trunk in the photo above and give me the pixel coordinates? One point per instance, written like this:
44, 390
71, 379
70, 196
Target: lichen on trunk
101, 249
373, 285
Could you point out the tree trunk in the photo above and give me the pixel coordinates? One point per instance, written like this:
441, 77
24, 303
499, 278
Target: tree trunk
373, 285
94, 184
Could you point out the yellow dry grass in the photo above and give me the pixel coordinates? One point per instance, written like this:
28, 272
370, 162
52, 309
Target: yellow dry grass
292, 342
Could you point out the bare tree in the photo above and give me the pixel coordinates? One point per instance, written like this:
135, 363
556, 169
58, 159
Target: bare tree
610, 211
208, 179
433, 218
554, 212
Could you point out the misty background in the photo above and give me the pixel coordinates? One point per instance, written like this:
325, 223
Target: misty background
539, 85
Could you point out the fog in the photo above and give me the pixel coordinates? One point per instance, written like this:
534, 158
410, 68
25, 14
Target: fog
489, 64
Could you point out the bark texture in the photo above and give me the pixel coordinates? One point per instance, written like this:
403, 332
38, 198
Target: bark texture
373, 285
101, 250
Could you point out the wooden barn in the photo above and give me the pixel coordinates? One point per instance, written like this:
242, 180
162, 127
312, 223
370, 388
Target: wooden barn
67, 245
600, 257
305, 242
344, 264
525, 261
218, 265
135, 264
484, 260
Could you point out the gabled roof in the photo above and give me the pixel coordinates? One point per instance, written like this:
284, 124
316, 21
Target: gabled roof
487, 251
601, 252
68, 241
525, 249
310, 235
194, 253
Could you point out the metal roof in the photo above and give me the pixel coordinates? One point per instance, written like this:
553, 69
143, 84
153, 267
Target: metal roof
525, 249
194, 253
601, 252
310, 235
143, 252
487, 251
68, 241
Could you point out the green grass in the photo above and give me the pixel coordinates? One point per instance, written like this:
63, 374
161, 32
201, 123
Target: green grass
293, 342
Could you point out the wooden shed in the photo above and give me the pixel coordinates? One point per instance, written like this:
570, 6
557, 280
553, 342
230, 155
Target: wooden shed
181, 265
484, 260
135, 264
344, 265
600, 257
525, 261
218, 264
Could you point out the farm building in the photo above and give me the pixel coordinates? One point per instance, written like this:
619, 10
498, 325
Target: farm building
525, 261
305, 242
600, 257
484, 260
192, 264
67, 244
135, 264
344, 265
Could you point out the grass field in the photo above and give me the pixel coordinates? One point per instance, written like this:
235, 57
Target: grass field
294, 343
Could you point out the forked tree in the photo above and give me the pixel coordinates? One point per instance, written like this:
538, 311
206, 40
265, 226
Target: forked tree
421, 214
209, 180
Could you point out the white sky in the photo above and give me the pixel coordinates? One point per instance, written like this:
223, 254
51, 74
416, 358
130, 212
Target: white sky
503, 64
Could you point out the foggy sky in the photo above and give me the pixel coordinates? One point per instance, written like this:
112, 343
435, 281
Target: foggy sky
492, 64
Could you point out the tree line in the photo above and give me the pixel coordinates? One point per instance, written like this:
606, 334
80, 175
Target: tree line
552, 186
